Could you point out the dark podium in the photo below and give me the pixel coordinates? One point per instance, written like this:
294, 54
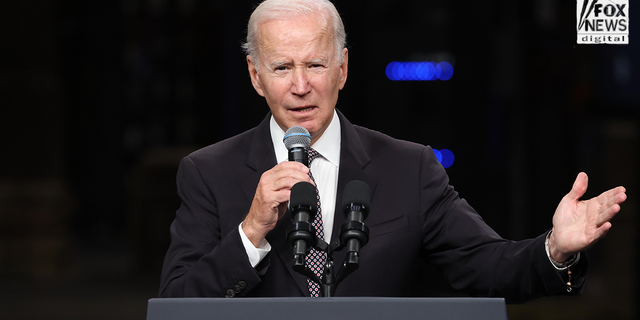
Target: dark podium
327, 308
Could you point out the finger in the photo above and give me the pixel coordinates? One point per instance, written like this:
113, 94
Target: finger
282, 171
612, 196
269, 198
289, 178
619, 195
602, 231
282, 197
607, 214
282, 209
615, 200
609, 204
288, 165
579, 187
297, 171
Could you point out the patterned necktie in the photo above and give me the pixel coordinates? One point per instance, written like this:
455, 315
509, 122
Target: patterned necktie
316, 259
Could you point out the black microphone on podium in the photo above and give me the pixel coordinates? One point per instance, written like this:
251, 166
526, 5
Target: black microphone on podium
354, 234
301, 234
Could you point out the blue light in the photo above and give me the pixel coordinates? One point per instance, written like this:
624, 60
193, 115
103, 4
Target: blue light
425, 71
389, 71
398, 71
407, 71
445, 157
419, 71
444, 71
412, 71
438, 155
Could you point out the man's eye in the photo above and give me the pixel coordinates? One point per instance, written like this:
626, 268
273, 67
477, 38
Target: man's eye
283, 68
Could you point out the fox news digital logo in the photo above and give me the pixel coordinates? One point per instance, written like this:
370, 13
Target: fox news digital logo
602, 21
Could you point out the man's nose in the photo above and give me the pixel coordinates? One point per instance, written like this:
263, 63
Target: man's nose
300, 82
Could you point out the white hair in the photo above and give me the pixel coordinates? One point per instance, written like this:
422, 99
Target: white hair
287, 9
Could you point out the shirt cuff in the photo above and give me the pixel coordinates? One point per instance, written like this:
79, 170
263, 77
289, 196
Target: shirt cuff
255, 254
560, 265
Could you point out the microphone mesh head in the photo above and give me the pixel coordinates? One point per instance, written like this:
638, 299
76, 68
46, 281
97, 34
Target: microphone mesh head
297, 136
356, 191
303, 193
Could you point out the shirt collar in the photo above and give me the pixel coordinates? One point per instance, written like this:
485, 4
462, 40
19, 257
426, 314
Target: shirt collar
328, 145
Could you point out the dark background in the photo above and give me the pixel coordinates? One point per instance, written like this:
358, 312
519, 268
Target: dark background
101, 99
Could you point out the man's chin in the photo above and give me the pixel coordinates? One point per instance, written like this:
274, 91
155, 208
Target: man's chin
309, 125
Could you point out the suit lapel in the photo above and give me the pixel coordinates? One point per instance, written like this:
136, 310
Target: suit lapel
260, 158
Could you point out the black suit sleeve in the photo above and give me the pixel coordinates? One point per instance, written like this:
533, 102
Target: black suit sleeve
473, 257
201, 261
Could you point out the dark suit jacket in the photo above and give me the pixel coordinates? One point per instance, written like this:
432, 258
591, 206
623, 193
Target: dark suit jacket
416, 218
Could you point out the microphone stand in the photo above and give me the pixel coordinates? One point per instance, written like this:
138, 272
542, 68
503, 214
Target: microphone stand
330, 279
354, 234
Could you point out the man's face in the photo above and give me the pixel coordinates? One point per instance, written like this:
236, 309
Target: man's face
300, 75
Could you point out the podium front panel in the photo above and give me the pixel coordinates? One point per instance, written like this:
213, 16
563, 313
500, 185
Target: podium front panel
364, 308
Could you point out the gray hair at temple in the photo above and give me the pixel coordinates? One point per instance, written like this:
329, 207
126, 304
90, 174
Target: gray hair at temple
287, 9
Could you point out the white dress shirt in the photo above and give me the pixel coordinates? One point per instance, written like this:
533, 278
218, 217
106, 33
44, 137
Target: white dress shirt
325, 174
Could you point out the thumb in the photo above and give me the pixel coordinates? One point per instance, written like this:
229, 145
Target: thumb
579, 187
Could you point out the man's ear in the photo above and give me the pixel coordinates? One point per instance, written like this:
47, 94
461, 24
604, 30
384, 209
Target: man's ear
344, 68
255, 77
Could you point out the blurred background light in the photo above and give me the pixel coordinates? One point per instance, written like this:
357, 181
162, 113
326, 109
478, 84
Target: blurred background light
444, 71
445, 157
438, 155
419, 71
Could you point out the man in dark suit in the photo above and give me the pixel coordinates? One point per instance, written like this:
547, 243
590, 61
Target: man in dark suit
228, 238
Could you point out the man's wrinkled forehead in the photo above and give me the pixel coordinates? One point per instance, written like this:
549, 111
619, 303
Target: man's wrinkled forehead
268, 38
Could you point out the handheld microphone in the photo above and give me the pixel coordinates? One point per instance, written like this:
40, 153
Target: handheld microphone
353, 233
301, 234
297, 140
